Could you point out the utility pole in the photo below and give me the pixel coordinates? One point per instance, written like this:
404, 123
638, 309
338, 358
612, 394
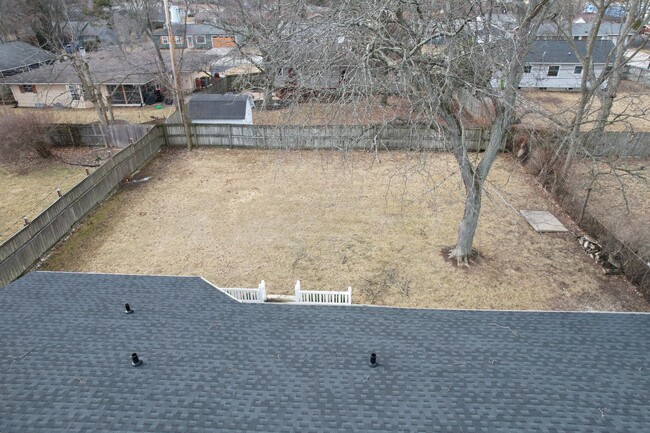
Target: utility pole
176, 87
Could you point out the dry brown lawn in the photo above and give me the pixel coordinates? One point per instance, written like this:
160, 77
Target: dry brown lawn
144, 114
317, 113
29, 187
620, 200
334, 220
631, 107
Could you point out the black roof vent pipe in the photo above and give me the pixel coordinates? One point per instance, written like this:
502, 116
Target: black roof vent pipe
373, 360
127, 309
135, 360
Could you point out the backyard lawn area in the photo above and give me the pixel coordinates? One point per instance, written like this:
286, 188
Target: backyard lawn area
29, 186
376, 222
30, 190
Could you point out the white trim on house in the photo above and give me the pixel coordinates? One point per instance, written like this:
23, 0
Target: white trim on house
567, 76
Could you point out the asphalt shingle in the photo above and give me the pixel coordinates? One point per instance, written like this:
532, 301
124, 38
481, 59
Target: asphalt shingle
209, 106
212, 364
15, 56
563, 52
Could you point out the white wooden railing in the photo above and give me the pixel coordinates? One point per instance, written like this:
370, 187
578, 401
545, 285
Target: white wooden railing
317, 297
247, 295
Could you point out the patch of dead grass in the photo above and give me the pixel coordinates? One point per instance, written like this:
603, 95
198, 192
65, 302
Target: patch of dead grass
621, 202
29, 187
631, 107
145, 114
333, 220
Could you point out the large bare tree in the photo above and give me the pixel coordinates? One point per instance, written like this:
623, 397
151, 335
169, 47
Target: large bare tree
428, 53
472, 55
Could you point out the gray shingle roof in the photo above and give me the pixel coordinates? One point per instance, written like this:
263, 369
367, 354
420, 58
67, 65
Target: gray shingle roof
562, 52
111, 66
606, 29
17, 55
212, 364
205, 106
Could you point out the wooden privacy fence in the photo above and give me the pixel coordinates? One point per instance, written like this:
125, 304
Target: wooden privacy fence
118, 135
640, 75
619, 144
24, 249
320, 137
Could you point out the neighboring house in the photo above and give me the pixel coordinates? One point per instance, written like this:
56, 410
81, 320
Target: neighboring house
126, 79
212, 364
206, 108
17, 57
88, 34
607, 31
555, 65
196, 36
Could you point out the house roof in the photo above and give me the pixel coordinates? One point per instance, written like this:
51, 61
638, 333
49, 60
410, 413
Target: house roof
562, 52
192, 29
207, 106
110, 67
18, 55
213, 364
606, 29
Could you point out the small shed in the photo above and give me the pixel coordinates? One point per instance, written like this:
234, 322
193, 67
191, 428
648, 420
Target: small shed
213, 109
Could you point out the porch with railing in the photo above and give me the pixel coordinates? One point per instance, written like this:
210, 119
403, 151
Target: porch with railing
307, 297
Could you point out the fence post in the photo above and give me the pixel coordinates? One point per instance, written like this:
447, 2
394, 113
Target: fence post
349, 298
261, 294
298, 296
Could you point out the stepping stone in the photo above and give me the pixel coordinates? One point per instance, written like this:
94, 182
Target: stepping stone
543, 221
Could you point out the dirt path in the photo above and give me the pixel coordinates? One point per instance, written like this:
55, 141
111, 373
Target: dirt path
332, 220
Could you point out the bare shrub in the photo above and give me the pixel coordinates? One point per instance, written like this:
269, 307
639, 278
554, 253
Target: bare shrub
25, 135
383, 281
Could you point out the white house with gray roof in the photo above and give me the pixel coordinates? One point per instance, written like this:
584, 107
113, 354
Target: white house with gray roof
556, 65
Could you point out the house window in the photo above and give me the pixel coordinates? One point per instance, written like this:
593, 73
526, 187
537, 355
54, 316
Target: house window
126, 94
200, 40
75, 94
27, 88
527, 69
553, 71
577, 70
178, 40
164, 40
343, 74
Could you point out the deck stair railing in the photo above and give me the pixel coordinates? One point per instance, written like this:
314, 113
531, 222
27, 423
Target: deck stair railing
247, 295
321, 297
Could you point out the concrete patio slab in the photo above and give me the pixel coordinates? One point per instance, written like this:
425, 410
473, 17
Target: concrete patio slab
543, 221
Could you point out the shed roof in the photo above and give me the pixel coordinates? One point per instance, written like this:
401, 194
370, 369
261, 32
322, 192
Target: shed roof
17, 55
562, 52
206, 106
213, 364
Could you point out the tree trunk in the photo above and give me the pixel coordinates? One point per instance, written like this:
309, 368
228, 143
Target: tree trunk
269, 85
467, 228
588, 83
616, 76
